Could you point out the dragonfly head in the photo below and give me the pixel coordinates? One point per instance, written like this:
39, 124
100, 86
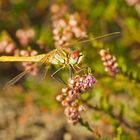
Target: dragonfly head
75, 57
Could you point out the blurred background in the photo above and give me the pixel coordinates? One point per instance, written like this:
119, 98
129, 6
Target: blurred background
29, 110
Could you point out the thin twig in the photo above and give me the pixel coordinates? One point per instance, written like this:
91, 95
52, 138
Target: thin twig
85, 124
88, 127
119, 118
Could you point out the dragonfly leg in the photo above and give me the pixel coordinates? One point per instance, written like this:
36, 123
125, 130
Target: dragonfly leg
83, 69
71, 71
77, 70
54, 75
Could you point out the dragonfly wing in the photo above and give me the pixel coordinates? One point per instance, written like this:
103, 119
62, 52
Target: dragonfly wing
92, 39
15, 79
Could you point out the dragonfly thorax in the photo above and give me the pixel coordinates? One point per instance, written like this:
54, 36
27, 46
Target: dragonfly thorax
63, 56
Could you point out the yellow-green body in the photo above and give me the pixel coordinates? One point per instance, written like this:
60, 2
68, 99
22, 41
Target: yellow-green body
36, 58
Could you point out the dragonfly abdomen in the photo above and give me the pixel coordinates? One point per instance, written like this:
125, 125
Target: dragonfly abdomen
36, 58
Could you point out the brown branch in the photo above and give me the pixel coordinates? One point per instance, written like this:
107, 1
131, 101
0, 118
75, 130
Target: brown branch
88, 127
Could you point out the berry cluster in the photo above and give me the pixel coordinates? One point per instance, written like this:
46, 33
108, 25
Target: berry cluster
58, 11
7, 45
25, 36
67, 28
109, 62
71, 95
28, 66
132, 2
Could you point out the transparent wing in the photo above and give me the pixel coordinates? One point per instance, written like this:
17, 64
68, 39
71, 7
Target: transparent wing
92, 39
15, 79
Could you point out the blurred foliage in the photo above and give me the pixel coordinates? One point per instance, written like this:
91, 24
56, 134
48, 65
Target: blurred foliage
113, 102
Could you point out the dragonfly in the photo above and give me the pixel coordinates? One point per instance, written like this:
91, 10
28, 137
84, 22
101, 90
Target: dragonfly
64, 57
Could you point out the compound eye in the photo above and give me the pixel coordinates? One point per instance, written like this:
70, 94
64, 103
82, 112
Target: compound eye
75, 54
